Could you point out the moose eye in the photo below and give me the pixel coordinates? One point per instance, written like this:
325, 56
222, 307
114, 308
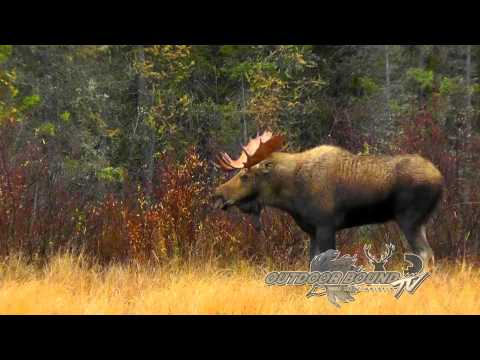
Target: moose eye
244, 177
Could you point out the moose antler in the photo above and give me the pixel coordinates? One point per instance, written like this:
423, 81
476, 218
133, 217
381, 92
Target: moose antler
254, 152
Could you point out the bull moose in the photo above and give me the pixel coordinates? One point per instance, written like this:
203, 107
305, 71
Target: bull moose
328, 188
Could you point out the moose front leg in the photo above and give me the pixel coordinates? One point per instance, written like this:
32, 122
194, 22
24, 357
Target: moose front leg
323, 240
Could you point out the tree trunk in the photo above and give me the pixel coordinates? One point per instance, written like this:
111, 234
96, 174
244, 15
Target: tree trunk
387, 85
148, 134
244, 120
467, 125
422, 64
468, 77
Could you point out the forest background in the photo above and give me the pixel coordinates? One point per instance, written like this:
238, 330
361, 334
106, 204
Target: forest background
109, 149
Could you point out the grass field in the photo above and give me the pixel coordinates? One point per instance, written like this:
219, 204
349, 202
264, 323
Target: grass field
66, 285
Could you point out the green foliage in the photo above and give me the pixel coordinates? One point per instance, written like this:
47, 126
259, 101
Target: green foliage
111, 174
476, 88
368, 85
47, 129
5, 52
66, 117
71, 165
450, 85
424, 78
398, 108
29, 102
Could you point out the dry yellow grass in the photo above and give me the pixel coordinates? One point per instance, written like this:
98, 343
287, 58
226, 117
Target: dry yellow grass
67, 286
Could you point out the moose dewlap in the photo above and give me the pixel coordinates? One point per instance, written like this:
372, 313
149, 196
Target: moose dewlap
327, 188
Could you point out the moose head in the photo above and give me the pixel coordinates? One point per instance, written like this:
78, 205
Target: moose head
252, 178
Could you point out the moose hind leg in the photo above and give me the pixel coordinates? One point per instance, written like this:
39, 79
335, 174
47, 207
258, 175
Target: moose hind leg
417, 239
413, 216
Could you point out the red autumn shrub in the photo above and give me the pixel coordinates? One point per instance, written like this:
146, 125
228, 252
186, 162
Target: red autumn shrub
41, 213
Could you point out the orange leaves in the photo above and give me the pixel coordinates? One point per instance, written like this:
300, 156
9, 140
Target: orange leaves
158, 228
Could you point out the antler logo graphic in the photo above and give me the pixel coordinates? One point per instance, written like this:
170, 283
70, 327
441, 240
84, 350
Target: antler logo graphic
379, 265
340, 279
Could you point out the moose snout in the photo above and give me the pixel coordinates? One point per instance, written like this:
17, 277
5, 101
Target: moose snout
220, 202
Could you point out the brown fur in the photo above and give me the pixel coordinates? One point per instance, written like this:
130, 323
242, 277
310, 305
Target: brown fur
327, 188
